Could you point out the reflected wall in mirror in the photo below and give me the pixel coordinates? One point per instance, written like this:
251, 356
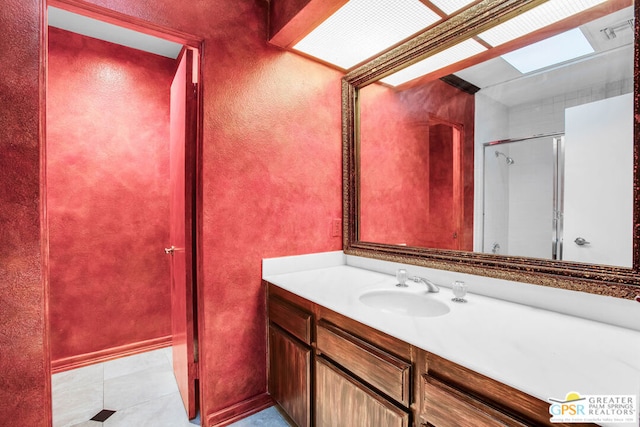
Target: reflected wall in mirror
416, 148
519, 147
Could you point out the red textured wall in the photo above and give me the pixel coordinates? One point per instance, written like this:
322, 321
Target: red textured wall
272, 163
399, 191
108, 194
24, 372
272, 184
394, 161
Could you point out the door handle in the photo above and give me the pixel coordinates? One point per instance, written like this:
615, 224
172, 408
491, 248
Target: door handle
170, 251
581, 241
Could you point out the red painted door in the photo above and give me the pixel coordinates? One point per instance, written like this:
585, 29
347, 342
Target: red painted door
182, 214
446, 207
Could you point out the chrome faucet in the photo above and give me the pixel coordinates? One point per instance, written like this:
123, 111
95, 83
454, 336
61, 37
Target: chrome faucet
431, 287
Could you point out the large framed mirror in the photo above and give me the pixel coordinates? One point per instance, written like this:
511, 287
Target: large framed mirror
502, 142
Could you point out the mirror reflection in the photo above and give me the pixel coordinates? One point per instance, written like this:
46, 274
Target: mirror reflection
523, 152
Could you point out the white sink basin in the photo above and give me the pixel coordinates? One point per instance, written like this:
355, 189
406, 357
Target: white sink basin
404, 303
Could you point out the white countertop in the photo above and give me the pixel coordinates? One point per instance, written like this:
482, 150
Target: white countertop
543, 353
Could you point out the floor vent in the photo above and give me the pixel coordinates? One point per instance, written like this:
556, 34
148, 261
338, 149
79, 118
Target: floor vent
103, 415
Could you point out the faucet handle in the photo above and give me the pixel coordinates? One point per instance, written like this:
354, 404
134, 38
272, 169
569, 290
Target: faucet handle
401, 275
459, 289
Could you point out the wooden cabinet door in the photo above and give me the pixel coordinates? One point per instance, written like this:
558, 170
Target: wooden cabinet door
290, 375
342, 401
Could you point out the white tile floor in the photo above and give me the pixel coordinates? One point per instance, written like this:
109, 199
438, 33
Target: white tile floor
140, 388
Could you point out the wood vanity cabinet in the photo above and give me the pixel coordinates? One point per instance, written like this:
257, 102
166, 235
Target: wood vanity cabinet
358, 383
346, 381
328, 370
290, 359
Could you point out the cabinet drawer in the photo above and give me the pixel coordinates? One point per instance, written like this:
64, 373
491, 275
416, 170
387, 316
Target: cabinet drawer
445, 406
292, 319
376, 367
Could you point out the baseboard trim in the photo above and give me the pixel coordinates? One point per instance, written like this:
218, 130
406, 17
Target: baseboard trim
68, 363
240, 410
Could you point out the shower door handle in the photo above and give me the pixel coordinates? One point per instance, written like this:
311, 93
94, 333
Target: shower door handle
580, 241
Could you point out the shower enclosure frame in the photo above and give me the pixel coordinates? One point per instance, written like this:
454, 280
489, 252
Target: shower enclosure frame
558, 187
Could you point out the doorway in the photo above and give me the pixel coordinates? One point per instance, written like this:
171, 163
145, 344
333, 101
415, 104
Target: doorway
446, 198
110, 186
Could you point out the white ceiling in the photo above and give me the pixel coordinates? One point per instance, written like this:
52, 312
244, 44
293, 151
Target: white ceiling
502, 82
73, 22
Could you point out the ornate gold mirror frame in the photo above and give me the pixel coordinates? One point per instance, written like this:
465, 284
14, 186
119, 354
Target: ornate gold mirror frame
598, 279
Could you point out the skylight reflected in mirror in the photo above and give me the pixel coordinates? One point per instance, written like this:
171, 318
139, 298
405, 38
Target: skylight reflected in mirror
364, 28
463, 50
539, 17
501, 82
554, 50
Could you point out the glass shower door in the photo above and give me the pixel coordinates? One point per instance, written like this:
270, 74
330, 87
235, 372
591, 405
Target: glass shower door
521, 197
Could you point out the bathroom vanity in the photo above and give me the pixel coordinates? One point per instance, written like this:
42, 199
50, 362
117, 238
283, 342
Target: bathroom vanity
336, 361
539, 326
